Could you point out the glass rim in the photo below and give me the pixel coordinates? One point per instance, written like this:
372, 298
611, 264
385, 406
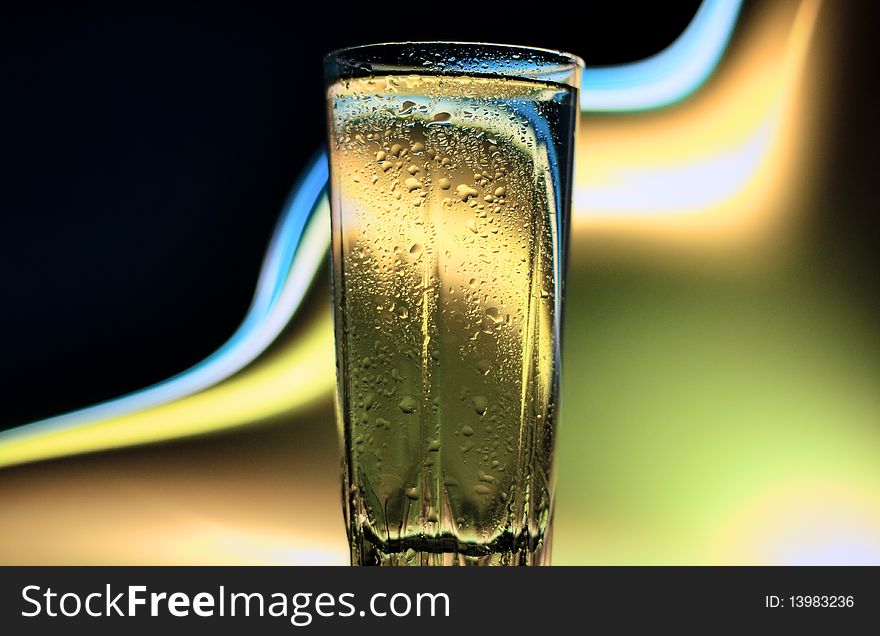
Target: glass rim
480, 58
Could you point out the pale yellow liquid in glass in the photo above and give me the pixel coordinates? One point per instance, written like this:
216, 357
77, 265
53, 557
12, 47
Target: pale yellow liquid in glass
445, 280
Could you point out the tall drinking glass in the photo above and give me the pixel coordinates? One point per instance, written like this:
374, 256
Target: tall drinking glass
451, 177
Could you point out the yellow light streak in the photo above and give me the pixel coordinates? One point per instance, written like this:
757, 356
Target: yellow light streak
292, 377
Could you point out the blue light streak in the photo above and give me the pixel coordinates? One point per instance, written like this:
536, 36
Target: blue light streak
291, 262
672, 74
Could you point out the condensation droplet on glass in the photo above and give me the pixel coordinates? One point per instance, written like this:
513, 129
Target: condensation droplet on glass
440, 119
494, 314
407, 404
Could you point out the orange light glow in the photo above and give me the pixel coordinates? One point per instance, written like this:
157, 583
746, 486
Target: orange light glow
714, 169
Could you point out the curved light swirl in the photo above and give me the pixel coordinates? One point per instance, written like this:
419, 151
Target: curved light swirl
296, 252
299, 245
670, 75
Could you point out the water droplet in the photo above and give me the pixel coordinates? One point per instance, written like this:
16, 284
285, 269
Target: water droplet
434, 446
413, 169
471, 225
444, 183
416, 250
467, 431
406, 108
380, 156
383, 423
500, 192
480, 404
395, 150
483, 366
412, 184
482, 489
412, 493
418, 147
369, 401
403, 312
494, 315
465, 192
440, 119
407, 404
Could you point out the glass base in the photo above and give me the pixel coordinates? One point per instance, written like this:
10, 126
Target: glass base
442, 551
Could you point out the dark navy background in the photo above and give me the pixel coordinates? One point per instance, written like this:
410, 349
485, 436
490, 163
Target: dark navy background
146, 151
